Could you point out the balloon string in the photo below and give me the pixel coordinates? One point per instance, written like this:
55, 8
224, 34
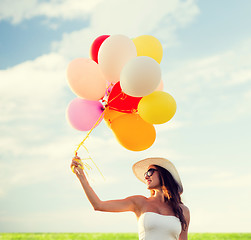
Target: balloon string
85, 165
114, 97
123, 111
120, 110
94, 162
87, 135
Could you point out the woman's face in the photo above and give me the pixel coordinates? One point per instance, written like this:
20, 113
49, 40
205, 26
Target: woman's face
152, 178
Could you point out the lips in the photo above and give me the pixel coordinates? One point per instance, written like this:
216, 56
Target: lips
148, 182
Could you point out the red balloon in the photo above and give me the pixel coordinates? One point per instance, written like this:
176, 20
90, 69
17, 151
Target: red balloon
122, 102
95, 47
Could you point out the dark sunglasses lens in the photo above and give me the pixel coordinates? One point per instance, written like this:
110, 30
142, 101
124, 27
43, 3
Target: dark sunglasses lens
150, 172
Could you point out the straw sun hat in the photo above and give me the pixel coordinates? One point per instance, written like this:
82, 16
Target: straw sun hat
140, 167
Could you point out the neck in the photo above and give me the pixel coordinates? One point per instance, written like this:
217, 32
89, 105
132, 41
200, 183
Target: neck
158, 195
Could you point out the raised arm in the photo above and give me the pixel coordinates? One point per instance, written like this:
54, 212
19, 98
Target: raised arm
122, 205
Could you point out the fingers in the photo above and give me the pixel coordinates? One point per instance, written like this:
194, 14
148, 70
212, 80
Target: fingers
77, 170
75, 163
76, 166
76, 160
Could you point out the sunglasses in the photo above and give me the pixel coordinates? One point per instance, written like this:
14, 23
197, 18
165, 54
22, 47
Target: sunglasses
150, 172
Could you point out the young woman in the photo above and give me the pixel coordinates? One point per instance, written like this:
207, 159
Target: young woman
162, 216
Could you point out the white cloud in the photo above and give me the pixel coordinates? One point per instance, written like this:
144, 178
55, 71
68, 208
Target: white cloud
74, 217
172, 125
36, 164
67, 9
221, 70
75, 44
137, 13
212, 219
28, 90
232, 181
27, 9
33, 96
240, 77
129, 19
17, 10
214, 88
122, 14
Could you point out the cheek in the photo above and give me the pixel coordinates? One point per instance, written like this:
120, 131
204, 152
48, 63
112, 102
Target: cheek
156, 180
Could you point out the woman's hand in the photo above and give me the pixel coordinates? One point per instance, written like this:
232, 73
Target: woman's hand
75, 164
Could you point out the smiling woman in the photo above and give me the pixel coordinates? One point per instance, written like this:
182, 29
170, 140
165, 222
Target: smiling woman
160, 216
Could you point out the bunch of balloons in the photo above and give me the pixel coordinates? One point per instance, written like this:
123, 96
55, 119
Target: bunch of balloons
121, 83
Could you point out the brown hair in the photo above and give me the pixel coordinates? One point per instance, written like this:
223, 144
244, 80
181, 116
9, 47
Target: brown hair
171, 194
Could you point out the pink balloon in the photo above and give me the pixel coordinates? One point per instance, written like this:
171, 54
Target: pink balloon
86, 79
82, 114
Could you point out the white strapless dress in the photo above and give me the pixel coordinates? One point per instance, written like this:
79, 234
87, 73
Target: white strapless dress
154, 226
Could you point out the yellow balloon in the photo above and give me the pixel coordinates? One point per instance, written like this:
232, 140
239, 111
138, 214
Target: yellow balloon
157, 108
149, 46
110, 115
133, 133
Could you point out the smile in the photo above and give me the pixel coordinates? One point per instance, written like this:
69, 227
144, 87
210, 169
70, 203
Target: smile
148, 182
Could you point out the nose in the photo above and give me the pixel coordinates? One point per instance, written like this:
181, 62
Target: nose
146, 177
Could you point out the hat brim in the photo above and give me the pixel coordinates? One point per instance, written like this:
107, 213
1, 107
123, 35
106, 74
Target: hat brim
140, 167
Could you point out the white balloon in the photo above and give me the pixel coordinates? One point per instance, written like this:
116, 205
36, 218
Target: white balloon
140, 76
113, 54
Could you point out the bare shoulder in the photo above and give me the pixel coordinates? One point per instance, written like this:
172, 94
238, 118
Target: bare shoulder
184, 208
139, 199
139, 202
186, 212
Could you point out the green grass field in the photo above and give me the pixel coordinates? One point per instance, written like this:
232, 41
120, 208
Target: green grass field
115, 236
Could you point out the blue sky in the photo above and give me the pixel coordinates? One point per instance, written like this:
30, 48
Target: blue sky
31, 38
206, 67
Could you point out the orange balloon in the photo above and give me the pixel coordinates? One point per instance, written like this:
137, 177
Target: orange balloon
110, 115
133, 133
